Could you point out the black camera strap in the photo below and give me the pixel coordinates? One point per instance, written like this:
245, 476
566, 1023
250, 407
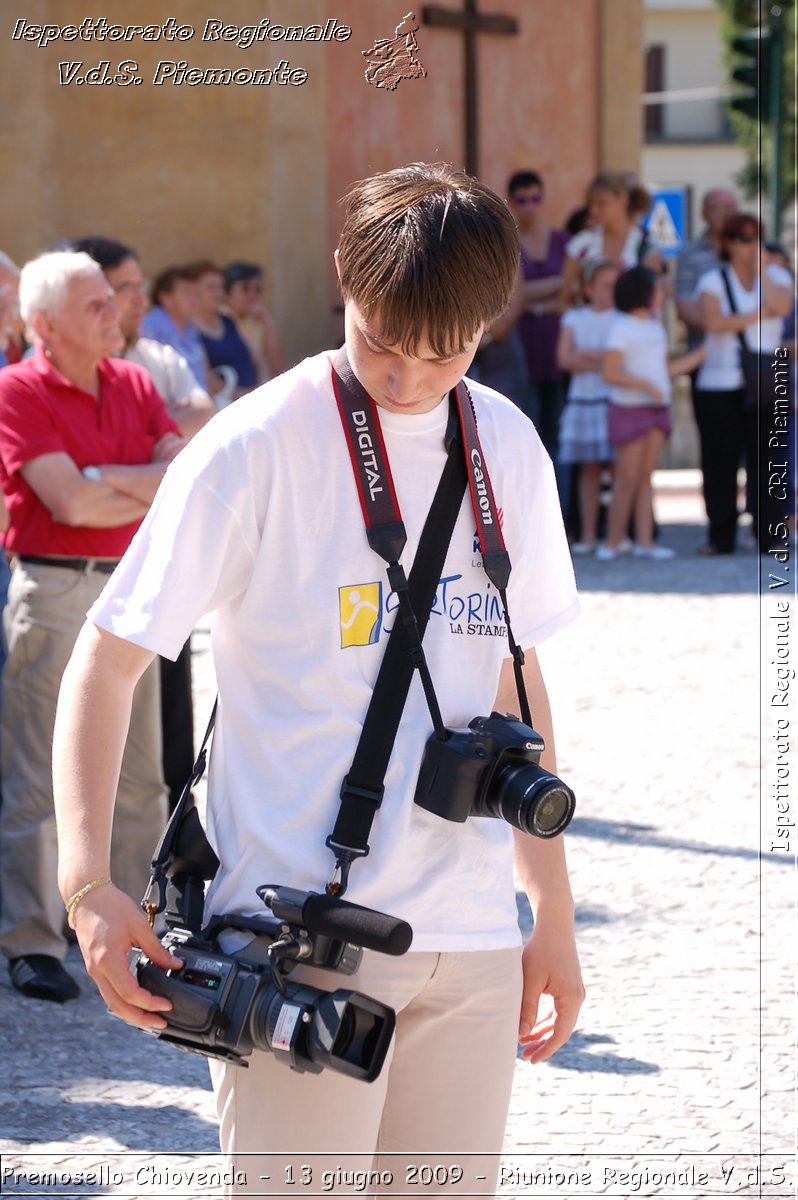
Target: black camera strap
183, 842
363, 786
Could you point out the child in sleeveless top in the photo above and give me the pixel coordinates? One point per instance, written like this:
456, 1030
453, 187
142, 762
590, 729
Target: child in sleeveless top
584, 435
639, 372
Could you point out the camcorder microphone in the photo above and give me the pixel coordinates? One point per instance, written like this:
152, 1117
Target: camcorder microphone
338, 919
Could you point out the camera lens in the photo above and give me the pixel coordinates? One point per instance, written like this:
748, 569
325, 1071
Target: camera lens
531, 799
552, 812
312, 1029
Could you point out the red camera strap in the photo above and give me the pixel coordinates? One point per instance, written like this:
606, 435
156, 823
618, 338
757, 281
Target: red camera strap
384, 526
358, 412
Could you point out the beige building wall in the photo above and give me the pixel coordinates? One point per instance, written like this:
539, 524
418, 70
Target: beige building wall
693, 59
537, 101
257, 171
177, 171
620, 71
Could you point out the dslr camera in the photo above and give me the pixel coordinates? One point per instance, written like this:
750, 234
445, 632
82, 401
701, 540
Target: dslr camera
492, 769
225, 1006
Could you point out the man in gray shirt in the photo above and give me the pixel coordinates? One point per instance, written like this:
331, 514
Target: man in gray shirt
700, 256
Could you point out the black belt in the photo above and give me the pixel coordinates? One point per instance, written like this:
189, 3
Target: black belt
104, 565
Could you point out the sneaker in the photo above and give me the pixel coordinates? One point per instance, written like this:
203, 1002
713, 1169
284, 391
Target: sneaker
42, 977
625, 546
582, 548
605, 554
656, 553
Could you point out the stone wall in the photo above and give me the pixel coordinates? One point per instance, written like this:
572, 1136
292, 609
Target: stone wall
188, 169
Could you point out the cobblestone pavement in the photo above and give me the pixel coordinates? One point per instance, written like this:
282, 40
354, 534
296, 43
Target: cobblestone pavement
679, 1081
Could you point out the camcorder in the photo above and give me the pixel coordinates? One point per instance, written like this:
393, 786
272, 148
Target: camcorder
492, 769
227, 1005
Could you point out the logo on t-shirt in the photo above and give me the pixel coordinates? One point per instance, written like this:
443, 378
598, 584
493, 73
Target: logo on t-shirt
365, 613
360, 609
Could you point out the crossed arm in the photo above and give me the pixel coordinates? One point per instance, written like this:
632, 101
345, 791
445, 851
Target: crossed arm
122, 494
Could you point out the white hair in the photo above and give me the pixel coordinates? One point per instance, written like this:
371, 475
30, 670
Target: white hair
44, 281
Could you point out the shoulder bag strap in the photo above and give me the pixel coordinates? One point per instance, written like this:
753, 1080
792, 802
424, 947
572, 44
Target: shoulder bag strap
746, 349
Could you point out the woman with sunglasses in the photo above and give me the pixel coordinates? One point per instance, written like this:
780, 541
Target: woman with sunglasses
745, 296
542, 257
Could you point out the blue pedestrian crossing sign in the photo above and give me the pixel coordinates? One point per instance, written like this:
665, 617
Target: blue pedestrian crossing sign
666, 220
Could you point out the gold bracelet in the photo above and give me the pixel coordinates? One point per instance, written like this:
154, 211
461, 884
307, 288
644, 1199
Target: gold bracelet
73, 902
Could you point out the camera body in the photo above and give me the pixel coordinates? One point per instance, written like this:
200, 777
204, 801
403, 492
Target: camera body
492, 769
225, 1006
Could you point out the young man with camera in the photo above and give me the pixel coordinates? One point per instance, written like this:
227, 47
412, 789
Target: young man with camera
261, 523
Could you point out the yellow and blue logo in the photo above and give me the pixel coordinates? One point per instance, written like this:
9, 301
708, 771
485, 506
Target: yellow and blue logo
360, 608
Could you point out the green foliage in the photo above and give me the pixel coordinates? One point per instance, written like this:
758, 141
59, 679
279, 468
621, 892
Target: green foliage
740, 16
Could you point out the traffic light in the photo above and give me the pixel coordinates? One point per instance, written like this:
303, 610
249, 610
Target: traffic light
754, 72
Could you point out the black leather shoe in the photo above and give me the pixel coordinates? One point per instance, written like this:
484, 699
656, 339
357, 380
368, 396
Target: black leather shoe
42, 977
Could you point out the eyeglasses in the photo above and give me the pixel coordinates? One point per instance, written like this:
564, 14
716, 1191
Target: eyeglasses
746, 238
130, 289
536, 199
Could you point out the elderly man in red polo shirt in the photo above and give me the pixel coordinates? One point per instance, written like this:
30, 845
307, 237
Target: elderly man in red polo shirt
84, 442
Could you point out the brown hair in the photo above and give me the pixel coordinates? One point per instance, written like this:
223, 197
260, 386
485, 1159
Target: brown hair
203, 266
733, 226
166, 281
430, 252
617, 182
593, 267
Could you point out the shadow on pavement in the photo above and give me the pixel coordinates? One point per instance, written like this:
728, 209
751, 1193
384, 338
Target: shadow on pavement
55, 1121
686, 574
646, 835
577, 1055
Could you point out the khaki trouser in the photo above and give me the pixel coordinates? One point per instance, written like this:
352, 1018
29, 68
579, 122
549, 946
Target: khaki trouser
46, 609
440, 1101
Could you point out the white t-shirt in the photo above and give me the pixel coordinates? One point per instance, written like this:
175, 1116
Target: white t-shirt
591, 330
721, 370
258, 523
170, 372
644, 345
588, 244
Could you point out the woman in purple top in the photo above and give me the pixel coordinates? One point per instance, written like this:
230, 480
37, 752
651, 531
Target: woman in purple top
542, 257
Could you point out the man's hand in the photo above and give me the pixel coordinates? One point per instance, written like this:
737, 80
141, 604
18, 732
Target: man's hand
550, 961
553, 991
167, 448
108, 925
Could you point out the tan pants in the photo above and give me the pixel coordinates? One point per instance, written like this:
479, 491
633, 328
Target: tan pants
46, 609
439, 1103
